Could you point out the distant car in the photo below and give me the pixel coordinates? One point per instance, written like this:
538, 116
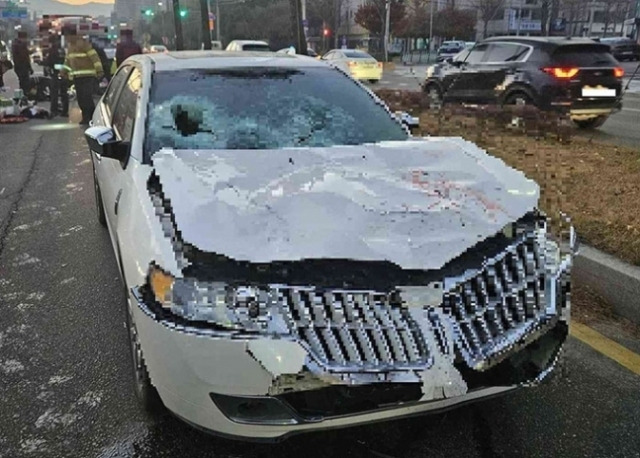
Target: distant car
448, 51
575, 74
359, 64
215, 44
157, 48
623, 48
248, 45
110, 53
291, 50
469, 44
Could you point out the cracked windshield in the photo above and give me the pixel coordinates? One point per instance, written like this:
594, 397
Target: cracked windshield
319, 228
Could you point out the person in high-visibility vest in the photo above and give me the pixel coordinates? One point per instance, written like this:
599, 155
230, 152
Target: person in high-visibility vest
83, 66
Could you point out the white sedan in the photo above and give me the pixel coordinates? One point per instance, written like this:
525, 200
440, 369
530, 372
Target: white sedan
293, 260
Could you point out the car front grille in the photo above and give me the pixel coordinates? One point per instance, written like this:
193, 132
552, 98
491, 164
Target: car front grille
494, 306
353, 330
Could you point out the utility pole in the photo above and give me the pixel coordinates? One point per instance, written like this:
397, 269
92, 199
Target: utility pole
296, 25
178, 24
430, 29
386, 30
204, 21
218, 20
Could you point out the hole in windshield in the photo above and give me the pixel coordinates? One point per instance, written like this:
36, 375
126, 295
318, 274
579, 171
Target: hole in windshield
264, 108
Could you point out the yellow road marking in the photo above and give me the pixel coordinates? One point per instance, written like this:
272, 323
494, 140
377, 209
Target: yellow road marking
606, 346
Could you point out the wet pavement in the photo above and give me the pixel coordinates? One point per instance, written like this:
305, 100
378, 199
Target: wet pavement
66, 378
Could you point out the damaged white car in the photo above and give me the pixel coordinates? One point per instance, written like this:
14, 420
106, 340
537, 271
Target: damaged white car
295, 260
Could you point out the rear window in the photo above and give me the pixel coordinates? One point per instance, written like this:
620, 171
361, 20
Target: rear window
263, 108
255, 47
356, 54
584, 56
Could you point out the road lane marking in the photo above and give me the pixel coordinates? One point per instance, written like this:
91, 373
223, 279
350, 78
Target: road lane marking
632, 109
606, 346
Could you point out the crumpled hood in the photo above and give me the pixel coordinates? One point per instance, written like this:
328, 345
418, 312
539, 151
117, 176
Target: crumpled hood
416, 203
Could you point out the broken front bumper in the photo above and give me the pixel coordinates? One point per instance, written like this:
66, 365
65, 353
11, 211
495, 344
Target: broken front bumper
352, 358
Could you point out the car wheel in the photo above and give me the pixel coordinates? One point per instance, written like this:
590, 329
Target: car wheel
520, 99
592, 123
145, 391
373, 81
434, 96
102, 219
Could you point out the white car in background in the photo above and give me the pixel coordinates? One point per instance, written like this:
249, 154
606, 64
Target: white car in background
248, 45
359, 64
293, 260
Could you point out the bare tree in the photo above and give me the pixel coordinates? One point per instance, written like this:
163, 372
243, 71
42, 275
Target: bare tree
487, 11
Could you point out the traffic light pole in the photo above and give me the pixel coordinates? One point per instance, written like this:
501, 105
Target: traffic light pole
178, 24
297, 24
204, 19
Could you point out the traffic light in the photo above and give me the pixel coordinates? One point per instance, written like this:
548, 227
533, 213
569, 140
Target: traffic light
183, 13
325, 32
148, 12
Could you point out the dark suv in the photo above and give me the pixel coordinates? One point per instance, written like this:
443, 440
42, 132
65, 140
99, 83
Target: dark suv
622, 48
575, 75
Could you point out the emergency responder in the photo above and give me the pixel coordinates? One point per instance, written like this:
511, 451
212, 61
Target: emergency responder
127, 47
83, 66
22, 60
59, 87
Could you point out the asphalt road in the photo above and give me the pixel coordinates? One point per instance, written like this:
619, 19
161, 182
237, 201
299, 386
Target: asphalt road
65, 375
621, 128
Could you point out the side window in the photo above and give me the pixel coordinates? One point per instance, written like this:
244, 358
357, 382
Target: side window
329, 55
462, 57
505, 52
110, 97
124, 116
477, 54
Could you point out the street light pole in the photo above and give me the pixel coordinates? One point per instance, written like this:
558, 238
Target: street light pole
178, 25
204, 21
430, 29
386, 30
218, 20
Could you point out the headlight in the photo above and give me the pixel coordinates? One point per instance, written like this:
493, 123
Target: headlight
242, 308
430, 69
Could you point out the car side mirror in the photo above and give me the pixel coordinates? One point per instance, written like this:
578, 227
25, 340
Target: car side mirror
103, 141
412, 123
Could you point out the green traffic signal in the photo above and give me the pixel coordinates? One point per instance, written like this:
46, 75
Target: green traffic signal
183, 13
148, 12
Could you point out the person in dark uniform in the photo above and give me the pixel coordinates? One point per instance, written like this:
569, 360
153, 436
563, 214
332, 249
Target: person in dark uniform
22, 60
59, 87
127, 47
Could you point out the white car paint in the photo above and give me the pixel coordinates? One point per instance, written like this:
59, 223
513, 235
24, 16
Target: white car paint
188, 363
242, 45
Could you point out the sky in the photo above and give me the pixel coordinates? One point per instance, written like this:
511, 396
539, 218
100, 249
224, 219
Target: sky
82, 2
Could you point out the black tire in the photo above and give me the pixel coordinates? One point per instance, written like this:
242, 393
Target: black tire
518, 98
434, 96
102, 219
145, 391
373, 81
592, 123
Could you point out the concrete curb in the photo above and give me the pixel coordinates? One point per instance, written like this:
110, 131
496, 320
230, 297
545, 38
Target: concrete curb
617, 282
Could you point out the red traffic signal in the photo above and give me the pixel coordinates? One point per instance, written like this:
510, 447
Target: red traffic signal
326, 32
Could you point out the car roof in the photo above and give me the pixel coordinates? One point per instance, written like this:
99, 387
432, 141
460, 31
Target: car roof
543, 42
250, 42
178, 60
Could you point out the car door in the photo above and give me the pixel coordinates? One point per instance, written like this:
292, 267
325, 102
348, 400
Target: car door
461, 75
107, 107
122, 122
500, 63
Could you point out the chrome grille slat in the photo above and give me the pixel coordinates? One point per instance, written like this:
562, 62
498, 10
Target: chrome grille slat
499, 298
352, 330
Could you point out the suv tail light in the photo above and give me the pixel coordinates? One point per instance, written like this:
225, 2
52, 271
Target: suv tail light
561, 73
352, 63
379, 64
618, 72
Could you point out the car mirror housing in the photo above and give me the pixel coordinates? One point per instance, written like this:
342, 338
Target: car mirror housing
103, 141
